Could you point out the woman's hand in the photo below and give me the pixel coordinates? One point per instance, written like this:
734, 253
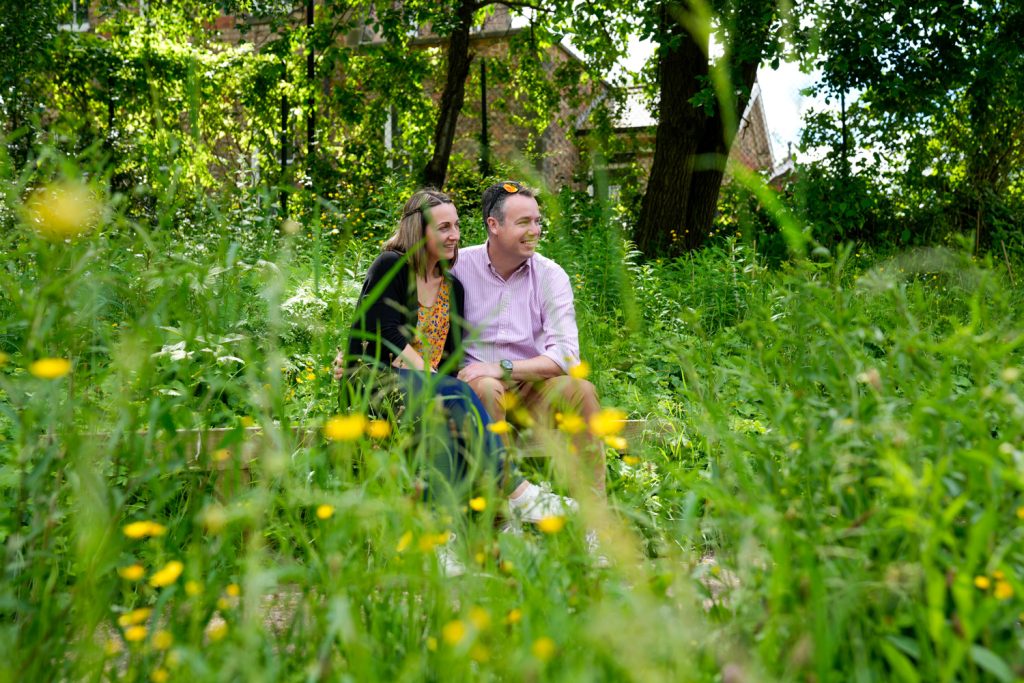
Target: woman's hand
339, 365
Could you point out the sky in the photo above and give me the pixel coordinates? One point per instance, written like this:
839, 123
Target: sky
784, 106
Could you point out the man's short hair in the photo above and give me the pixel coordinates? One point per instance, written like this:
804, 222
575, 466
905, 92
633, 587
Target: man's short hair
493, 201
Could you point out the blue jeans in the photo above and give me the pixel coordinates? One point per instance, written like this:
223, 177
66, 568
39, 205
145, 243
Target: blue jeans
455, 458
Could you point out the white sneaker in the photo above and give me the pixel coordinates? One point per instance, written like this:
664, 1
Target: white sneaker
451, 565
536, 504
511, 527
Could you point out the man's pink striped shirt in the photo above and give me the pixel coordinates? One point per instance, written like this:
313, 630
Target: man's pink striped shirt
529, 314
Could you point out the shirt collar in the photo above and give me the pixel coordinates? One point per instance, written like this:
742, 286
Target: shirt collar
524, 266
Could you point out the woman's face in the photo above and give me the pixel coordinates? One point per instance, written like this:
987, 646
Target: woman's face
442, 232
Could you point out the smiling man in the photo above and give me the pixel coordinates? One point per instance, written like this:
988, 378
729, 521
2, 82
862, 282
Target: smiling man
520, 305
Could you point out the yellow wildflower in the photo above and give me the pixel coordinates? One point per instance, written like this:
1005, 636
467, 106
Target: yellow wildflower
428, 541
619, 443
168, 575
132, 572
631, 460
217, 631
159, 675
310, 376
432, 644
221, 454
134, 634
325, 511
4, 358
403, 542
345, 427
500, 427
570, 423
1020, 512
135, 617
580, 371
544, 648
162, 639
233, 589
454, 632
1003, 590
982, 582
62, 210
223, 604
508, 400
144, 529
50, 368
608, 422
552, 524
480, 617
379, 429
478, 504
514, 616
479, 653
247, 422
193, 588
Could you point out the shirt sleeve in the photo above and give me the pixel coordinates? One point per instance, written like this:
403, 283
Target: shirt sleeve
560, 341
387, 313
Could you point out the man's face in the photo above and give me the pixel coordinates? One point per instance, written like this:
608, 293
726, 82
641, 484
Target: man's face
517, 236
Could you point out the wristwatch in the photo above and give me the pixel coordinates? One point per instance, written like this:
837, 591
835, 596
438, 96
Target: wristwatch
506, 367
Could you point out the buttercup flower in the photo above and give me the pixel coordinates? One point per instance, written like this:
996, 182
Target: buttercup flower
982, 582
1003, 591
62, 210
478, 504
514, 616
345, 427
168, 575
135, 617
580, 371
544, 648
617, 442
50, 368
570, 423
233, 590
132, 572
325, 511
552, 524
134, 634
500, 427
379, 429
608, 422
159, 675
144, 529
454, 632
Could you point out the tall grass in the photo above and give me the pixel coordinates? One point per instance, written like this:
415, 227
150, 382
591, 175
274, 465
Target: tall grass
836, 494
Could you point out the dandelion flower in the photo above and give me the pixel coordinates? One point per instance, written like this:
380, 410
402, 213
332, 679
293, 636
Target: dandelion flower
478, 504
193, 588
159, 675
50, 368
132, 572
144, 529
1003, 590
233, 590
378, 429
162, 639
403, 542
221, 454
63, 210
454, 632
500, 427
552, 524
608, 422
982, 582
1020, 512
135, 617
580, 371
134, 634
631, 460
570, 423
480, 617
168, 575
325, 511
544, 648
345, 427
514, 616
619, 443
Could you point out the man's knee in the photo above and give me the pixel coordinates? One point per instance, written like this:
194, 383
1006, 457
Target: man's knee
489, 389
572, 393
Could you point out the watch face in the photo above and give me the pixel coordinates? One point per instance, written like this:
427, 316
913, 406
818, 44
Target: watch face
506, 365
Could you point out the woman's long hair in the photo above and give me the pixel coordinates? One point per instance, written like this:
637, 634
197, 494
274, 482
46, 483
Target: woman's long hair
412, 229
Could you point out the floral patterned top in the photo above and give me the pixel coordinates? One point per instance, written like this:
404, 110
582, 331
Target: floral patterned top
432, 327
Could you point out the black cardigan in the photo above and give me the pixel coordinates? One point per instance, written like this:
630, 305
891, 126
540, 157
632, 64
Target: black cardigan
385, 323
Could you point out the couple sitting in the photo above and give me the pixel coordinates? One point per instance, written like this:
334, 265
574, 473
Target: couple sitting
413, 312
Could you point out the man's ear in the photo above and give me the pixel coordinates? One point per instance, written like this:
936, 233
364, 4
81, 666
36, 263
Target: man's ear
492, 224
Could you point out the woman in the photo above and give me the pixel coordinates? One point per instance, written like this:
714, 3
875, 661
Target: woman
408, 327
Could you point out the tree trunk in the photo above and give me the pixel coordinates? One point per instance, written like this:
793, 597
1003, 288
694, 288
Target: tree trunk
452, 97
691, 147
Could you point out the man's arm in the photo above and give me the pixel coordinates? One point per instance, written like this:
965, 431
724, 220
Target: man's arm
526, 370
560, 338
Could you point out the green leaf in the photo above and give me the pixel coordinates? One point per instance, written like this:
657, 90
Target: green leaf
992, 663
900, 663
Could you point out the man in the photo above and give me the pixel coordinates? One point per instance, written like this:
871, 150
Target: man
521, 306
